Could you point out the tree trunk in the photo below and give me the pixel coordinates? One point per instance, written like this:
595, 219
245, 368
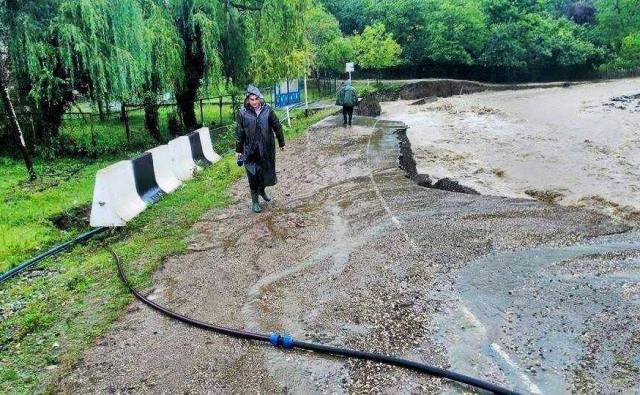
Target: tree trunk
125, 118
50, 119
101, 110
195, 70
51, 112
186, 104
15, 126
151, 119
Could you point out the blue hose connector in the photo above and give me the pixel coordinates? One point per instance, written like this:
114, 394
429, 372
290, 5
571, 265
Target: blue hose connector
274, 339
278, 340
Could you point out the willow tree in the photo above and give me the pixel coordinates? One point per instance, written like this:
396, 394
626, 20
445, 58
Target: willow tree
163, 64
6, 104
280, 48
62, 48
198, 25
235, 42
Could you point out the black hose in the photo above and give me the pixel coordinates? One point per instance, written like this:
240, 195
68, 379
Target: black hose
287, 342
53, 251
180, 317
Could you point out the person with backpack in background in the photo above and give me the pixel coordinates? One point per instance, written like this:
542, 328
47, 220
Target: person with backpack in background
347, 98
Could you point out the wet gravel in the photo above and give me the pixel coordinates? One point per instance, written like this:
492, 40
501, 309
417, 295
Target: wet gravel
350, 253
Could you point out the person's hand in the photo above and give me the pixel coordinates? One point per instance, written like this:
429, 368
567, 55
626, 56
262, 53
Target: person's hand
281, 148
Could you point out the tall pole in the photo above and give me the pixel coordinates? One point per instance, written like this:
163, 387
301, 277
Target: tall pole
306, 96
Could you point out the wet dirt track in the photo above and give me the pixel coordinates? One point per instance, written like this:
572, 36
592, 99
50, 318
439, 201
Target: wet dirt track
352, 253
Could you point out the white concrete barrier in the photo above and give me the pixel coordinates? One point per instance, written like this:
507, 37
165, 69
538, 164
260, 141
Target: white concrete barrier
181, 158
124, 189
207, 146
115, 197
163, 168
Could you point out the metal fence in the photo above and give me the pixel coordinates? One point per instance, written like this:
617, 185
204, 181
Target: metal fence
215, 112
618, 74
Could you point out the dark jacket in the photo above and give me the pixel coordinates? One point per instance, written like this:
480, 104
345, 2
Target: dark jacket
255, 141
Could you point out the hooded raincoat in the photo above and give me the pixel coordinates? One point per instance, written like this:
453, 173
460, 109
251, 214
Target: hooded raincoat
255, 140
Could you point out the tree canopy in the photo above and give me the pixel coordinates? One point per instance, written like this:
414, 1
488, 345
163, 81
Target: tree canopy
136, 50
375, 48
525, 37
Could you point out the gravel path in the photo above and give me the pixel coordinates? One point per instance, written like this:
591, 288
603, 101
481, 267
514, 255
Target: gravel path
349, 253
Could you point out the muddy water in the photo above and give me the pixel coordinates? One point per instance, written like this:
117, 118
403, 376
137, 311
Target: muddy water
565, 316
576, 146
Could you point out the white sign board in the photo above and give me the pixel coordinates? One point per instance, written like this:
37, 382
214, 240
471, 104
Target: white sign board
350, 68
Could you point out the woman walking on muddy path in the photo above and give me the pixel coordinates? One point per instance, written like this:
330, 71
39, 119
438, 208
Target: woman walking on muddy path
257, 124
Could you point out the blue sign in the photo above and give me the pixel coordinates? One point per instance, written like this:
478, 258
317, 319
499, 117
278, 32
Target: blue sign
287, 93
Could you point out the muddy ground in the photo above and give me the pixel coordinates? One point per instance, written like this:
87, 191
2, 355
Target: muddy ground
353, 253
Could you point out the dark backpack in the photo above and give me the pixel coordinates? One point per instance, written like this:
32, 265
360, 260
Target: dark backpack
350, 98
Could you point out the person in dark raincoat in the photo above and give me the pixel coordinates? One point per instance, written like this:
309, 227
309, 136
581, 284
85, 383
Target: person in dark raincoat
257, 125
347, 98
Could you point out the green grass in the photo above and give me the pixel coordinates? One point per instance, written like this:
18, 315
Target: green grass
48, 319
363, 87
26, 208
109, 137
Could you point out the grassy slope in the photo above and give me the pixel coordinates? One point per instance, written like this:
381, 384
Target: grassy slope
26, 208
50, 316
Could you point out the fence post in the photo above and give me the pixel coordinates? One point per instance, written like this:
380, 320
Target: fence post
201, 114
127, 129
233, 107
288, 116
220, 105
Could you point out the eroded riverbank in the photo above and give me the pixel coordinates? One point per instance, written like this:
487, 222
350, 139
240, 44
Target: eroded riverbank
577, 146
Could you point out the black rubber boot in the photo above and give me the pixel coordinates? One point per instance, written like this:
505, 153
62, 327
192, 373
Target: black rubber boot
265, 195
255, 203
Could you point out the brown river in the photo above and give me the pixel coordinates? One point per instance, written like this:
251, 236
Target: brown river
576, 145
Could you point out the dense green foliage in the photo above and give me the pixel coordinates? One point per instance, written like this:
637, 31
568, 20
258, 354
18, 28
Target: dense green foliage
329, 48
618, 25
375, 48
519, 37
61, 52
